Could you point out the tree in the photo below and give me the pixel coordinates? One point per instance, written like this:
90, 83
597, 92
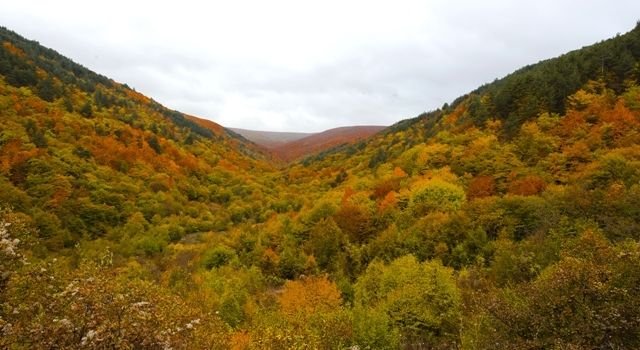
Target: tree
309, 296
421, 300
218, 256
436, 195
36, 134
68, 105
378, 158
527, 186
325, 242
47, 91
588, 299
86, 110
481, 186
342, 175
356, 217
154, 144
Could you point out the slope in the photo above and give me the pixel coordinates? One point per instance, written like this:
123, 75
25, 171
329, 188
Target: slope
521, 96
526, 187
83, 155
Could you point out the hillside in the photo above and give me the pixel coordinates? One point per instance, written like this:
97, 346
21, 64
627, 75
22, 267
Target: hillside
270, 139
509, 218
325, 140
82, 155
543, 87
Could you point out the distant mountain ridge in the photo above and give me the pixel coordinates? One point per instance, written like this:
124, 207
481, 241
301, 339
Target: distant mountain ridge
324, 140
290, 146
270, 139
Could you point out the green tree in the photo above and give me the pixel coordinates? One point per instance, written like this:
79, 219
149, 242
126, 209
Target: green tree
325, 242
589, 299
154, 144
46, 90
378, 158
436, 195
420, 299
87, 110
218, 256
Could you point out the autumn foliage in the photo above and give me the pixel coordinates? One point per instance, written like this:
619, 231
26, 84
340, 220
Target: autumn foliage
509, 219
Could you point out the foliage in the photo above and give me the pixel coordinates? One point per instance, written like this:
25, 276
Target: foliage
509, 218
420, 299
90, 309
217, 257
436, 195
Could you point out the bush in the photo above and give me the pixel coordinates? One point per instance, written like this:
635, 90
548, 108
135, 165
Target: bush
218, 256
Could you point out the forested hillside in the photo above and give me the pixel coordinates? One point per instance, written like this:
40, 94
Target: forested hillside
509, 218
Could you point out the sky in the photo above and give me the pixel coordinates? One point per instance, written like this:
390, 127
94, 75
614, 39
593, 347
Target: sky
309, 66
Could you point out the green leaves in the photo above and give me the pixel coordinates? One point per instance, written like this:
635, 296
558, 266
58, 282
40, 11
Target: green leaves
421, 300
86, 110
436, 195
218, 256
590, 297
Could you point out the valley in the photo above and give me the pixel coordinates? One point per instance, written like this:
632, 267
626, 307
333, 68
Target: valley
508, 218
290, 147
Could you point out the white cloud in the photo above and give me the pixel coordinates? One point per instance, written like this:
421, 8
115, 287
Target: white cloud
309, 66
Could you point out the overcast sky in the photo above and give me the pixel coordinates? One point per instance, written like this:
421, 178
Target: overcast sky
309, 66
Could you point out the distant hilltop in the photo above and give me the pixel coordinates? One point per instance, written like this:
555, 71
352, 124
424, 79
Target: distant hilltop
290, 146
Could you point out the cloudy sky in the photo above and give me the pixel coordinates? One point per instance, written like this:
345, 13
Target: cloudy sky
312, 65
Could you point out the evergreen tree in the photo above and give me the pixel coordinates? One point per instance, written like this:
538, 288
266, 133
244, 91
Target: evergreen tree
87, 110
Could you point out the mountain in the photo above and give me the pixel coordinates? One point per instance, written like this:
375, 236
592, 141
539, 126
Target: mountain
509, 218
311, 144
543, 87
526, 186
290, 146
270, 139
83, 154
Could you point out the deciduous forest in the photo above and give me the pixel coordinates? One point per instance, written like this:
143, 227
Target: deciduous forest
507, 219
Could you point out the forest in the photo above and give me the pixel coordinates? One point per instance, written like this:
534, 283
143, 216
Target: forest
507, 219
